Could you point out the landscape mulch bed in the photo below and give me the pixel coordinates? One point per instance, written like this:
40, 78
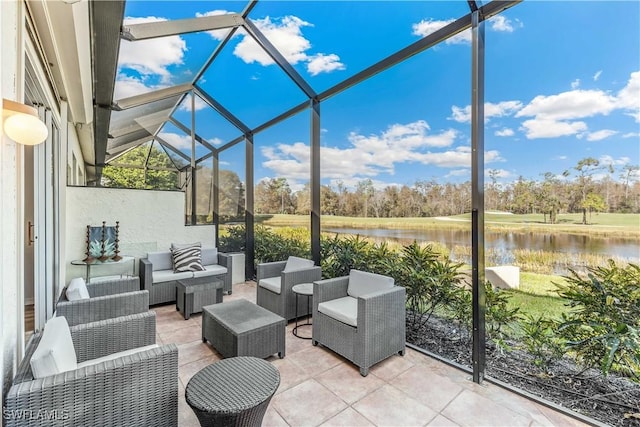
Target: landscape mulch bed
612, 400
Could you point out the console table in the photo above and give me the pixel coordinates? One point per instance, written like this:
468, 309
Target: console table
97, 263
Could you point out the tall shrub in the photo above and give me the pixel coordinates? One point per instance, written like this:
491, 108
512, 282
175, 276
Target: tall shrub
603, 323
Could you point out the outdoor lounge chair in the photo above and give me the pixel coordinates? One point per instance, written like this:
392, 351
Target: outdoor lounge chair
138, 388
360, 316
107, 299
275, 280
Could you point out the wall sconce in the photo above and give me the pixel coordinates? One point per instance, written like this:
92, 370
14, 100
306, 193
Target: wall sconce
22, 124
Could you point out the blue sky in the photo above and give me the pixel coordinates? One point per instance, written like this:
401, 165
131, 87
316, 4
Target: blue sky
562, 84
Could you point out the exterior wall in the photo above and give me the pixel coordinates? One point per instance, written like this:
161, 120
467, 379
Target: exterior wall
75, 163
149, 221
10, 197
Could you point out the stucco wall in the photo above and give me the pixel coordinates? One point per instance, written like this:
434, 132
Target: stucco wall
149, 221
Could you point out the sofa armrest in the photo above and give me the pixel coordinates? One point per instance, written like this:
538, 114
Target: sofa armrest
329, 289
145, 271
97, 339
104, 307
139, 389
295, 277
270, 269
114, 286
386, 308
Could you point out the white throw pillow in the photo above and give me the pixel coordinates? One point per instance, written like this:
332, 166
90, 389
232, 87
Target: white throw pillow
77, 289
55, 352
295, 263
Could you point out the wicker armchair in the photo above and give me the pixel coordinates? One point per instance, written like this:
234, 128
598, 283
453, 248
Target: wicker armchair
360, 316
139, 389
275, 282
108, 299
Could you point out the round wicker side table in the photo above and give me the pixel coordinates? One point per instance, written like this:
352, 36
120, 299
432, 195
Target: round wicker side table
232, 392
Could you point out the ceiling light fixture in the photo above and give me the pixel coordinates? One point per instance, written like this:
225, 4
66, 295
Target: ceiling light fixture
22, 124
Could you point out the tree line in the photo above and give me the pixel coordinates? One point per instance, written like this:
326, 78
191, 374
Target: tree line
589, 186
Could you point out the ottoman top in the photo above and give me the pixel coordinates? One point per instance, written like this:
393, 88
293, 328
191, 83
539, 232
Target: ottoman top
242, 316
232, 385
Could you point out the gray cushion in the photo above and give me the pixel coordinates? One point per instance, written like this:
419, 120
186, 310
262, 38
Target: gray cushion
160, 260
209, 256
271, 283
343, 309
211, 270
295, 263
168, 275
362, 283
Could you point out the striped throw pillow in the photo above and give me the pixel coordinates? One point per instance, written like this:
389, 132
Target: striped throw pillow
187, 258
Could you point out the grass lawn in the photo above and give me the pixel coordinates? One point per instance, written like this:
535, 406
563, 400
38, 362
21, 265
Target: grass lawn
537, 296
603, 224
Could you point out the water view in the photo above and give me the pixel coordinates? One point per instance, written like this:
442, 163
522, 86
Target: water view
504, 243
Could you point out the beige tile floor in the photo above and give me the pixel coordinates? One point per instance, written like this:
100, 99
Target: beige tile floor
320, 388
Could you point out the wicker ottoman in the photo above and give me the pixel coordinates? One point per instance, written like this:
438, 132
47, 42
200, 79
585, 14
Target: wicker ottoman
232, 392
195, 293
241, 328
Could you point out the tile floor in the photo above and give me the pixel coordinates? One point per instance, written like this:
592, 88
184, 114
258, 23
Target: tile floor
320, 388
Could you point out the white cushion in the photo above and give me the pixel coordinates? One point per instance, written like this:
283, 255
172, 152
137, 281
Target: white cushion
343, 309
362, 283
77, 289
211, 270
55, 352
295, 263
160, 260
114, 356
271, 283
209, 256
169, 275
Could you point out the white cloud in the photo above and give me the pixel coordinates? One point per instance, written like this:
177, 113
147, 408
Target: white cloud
607, 160
286, 35
216, 34
322, 63
215, 141
504, 132
501, 109
501, 23
629, 96
574, 104
459, 172
127, 86
370, 155
179, 141
597, 75
600, 135
152, 56
428, 26
559, 158
199, 104
631, 135
549, 128
575, 84
500, 173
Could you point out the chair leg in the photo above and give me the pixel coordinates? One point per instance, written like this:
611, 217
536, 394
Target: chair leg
364, 371
401, 352
314, 342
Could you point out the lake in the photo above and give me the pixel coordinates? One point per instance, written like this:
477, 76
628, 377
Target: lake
504, 242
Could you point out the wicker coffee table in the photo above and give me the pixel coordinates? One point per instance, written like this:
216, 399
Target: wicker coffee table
242, 328
195, 293
233, 392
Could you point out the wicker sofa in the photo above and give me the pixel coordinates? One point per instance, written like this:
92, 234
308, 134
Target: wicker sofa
360, 316
139, 389
157, 275
108, 299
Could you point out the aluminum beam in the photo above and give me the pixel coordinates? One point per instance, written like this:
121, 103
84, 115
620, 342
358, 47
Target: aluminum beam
275, 54
249, 220
291, 112
186, 130
221, 109
477, 196
146, 98
315, 180
216, 197
152, 30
